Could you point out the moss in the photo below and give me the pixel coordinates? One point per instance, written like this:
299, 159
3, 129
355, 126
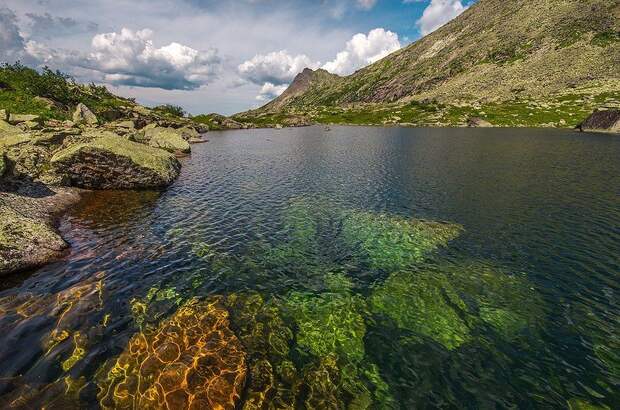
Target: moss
392, 243
168, 139
606, 38
145, 157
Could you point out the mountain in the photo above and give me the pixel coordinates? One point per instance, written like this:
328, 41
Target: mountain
497, 51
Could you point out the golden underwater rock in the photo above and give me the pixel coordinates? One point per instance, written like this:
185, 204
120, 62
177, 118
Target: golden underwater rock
191, 361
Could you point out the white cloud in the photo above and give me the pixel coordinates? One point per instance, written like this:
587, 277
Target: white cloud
277, 67
438, 13
362, 50
366, 4
270, 91
273, 71
131, 58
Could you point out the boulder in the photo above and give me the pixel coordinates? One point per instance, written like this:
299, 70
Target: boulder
25, 242
4, 115
602, 121
189, 134
2, 163
27, 214
478, 122
167, 138
83, 115
113, 162
19, 118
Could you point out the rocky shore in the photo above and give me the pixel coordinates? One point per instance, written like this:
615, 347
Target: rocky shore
44, 165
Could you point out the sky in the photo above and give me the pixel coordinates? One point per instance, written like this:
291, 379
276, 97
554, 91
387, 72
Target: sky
211, 55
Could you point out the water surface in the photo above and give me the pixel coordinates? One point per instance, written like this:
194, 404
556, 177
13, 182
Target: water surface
359, 267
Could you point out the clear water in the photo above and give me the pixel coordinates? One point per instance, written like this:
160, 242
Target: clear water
351, 267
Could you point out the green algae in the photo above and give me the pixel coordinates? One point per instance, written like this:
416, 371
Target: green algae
580, 404
424, 303
328, 324
302, 364
449, 302
391, 242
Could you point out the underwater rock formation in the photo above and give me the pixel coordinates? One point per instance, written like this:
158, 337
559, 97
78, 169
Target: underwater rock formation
192, 360
447, 302
391, 243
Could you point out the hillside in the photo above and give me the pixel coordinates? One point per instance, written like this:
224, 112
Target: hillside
497, 52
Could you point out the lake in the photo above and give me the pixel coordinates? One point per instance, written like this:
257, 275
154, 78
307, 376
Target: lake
335, 268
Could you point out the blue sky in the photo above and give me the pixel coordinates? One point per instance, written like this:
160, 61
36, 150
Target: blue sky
207, 55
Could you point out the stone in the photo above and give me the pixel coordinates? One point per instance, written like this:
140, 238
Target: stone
47, 102
602, 121
191, 361
478, 123
25, 242
112, 162
189, 134
19, 118
4, 115
83, 115
2, 163
168, 139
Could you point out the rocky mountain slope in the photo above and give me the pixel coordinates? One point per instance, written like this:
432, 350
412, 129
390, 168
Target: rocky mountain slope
497, 51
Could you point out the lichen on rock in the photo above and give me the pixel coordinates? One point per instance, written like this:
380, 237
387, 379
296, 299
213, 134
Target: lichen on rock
168, 139
112, 162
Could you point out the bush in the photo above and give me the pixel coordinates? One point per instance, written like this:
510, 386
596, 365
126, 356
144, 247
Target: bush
169, 109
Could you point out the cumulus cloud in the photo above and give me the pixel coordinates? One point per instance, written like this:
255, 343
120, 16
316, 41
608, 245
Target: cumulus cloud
438, 13
362, 50
277, 68
270, 91
131, 58
11, 41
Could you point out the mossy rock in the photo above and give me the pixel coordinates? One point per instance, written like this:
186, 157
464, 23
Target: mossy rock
26, 242
167, 138
3, 164
112, 162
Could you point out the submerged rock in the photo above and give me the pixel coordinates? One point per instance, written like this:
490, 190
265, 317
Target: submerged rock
112, 162
83, 115
392, 242
602, 121
448, 302
193, 360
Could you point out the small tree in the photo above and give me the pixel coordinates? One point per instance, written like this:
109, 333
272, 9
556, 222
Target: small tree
169, 109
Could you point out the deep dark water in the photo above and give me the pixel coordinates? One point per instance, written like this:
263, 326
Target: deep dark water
342, 289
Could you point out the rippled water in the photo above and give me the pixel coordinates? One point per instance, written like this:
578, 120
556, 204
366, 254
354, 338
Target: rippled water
359, 267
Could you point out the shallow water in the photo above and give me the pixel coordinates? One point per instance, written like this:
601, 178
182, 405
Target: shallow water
360, 267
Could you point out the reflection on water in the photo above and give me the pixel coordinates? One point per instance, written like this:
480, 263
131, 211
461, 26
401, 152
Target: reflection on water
356, 268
